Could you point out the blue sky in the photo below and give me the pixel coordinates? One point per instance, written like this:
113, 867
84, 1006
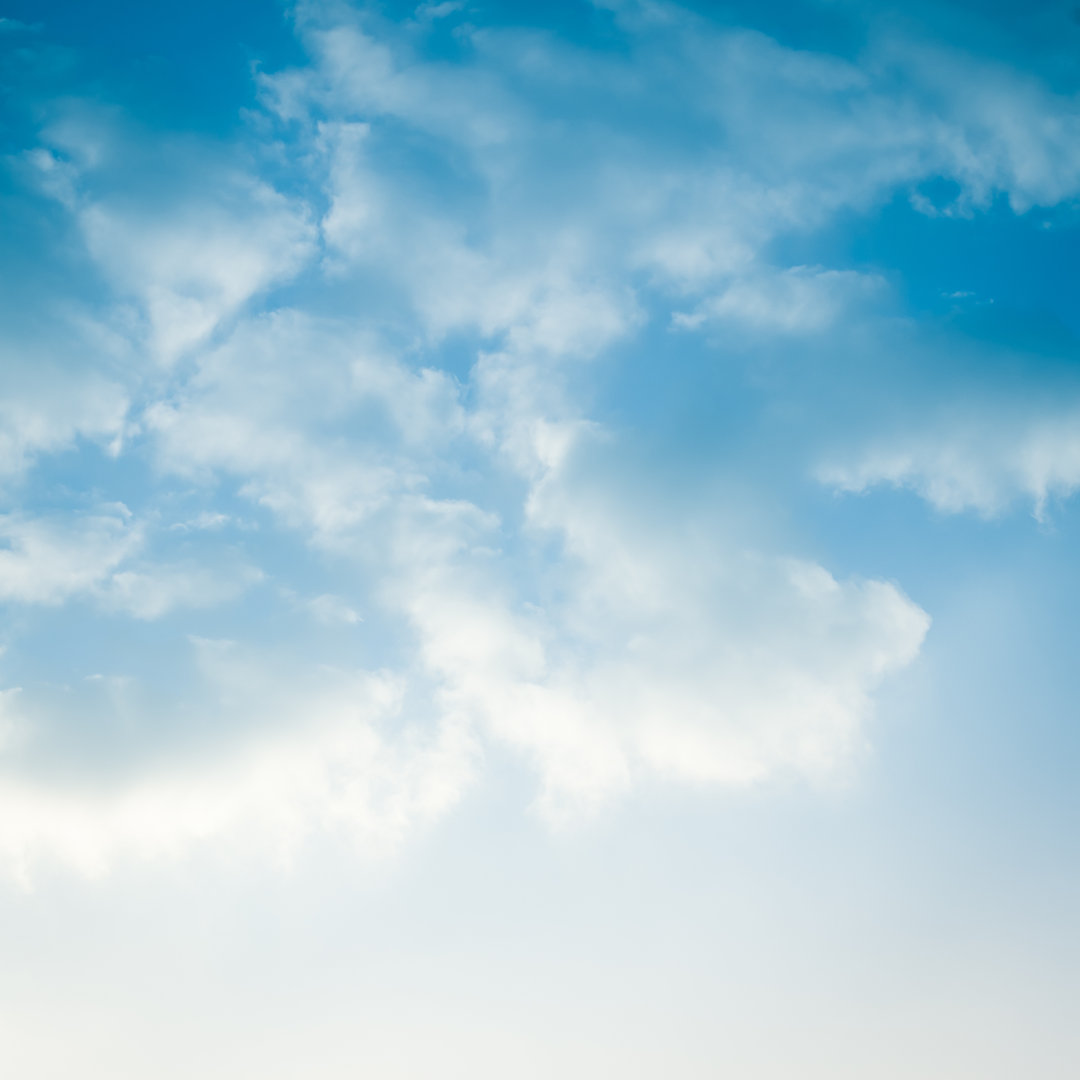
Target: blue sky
539, 538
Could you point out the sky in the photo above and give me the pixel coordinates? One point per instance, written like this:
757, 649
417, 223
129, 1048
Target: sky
539, 539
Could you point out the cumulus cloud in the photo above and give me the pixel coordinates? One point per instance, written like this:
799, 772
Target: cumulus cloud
671, 652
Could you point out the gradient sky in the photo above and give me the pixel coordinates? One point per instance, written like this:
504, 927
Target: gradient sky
539, 539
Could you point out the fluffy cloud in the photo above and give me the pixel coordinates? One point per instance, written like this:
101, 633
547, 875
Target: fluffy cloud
311, 418
319, 759
662, 651
976, 463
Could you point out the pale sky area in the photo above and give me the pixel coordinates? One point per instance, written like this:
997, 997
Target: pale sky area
539, 540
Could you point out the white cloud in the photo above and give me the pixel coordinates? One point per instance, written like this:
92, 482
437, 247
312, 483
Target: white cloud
533, 289
797, 301
784, 139
46, 407
46, 561
332, 610
318, 760
190, 256
982, 464
694, 661
204, 520
151, 591
312, 418
356, 74
439, 10
997, 130
50, 560
673, 652
194, 265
